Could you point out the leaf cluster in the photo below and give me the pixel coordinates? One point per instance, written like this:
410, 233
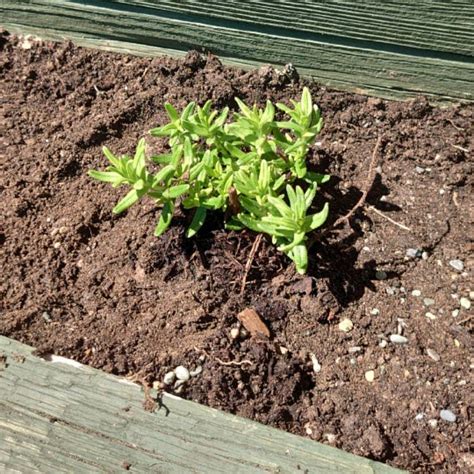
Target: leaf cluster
252, 166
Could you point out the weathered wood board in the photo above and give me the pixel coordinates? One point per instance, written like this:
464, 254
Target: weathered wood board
57, 417
394, 49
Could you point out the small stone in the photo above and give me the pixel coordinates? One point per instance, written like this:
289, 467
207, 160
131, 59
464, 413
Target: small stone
447, 415
425, 255
457, 265
374, 312
169, 378
419, 169
62, 229
370, 376
428, 301
471, 295
196, 371
182, 373
283, 350
331, 438
465, 302
433, 423
419, 416
430, 316
56, 245
383, 343
316, 364
234, 333
354, 349
381, 275
397, 339
390, 290
45, 315
416, 293
346, 325
434, 355
414, 253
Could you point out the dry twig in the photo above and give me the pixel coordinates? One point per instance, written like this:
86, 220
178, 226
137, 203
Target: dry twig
381, 214
248, 265
368, 185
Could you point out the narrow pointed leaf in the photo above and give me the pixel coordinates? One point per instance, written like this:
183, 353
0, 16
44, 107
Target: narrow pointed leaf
131, 198
197, 222
165, 218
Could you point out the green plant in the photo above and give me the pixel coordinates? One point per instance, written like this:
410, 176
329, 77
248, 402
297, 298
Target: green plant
254, 167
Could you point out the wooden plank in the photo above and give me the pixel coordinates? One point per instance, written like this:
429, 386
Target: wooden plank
58, 417
391, 49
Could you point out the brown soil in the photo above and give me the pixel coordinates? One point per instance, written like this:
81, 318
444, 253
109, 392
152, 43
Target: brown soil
103, 290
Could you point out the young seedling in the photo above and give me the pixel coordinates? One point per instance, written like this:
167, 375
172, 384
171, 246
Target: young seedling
253, 166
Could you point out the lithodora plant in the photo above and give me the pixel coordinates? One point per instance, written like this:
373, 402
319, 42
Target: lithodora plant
251, 165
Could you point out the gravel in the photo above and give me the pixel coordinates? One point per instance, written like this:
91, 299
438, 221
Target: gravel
447, 415
182, 373
346, 325
169, 378
316, 364
457, 265
397, 339
370, 376
416, 293
465, 302
433, 354
381, 275
414, 253
428, 301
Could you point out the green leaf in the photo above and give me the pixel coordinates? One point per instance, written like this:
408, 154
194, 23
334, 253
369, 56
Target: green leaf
166, 130
165, 218
163, 175
188, 111
243, 108
281, 205
139, 159
251, 206
197, 222
111, 157
131, 198
317, 220
175, 191
172, 112
299, 255
106, 176
306, 102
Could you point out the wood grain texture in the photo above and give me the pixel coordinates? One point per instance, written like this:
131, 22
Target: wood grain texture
55, 417
391, 49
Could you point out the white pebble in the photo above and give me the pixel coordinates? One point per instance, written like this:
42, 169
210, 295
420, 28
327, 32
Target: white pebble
354, 349
434, 355
471, 295
425, 255
428, 301
383, 343
346, 325
169, 378
455, 313
457, 265
182, 373
196, 371
316, 364
430, 316
56, 245
374, 311
433, 423
419, 416
370, 376
447, 415
465, 302
397, 339
234, 333
416, 293
331, 438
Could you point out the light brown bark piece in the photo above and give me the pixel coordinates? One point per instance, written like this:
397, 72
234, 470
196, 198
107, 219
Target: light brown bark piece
253, 323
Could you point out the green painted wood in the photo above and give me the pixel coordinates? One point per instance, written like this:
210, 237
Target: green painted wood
394, 49
57, 417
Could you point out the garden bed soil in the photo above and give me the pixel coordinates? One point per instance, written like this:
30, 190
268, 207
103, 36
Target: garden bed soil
86, 284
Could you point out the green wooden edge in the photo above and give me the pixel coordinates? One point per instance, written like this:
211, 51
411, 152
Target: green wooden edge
354, 60
61, 416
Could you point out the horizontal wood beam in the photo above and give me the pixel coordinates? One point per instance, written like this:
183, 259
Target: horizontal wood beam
393, 49
61, 416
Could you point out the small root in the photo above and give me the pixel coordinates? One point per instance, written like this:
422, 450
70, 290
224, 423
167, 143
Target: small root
381, 214
248, 265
